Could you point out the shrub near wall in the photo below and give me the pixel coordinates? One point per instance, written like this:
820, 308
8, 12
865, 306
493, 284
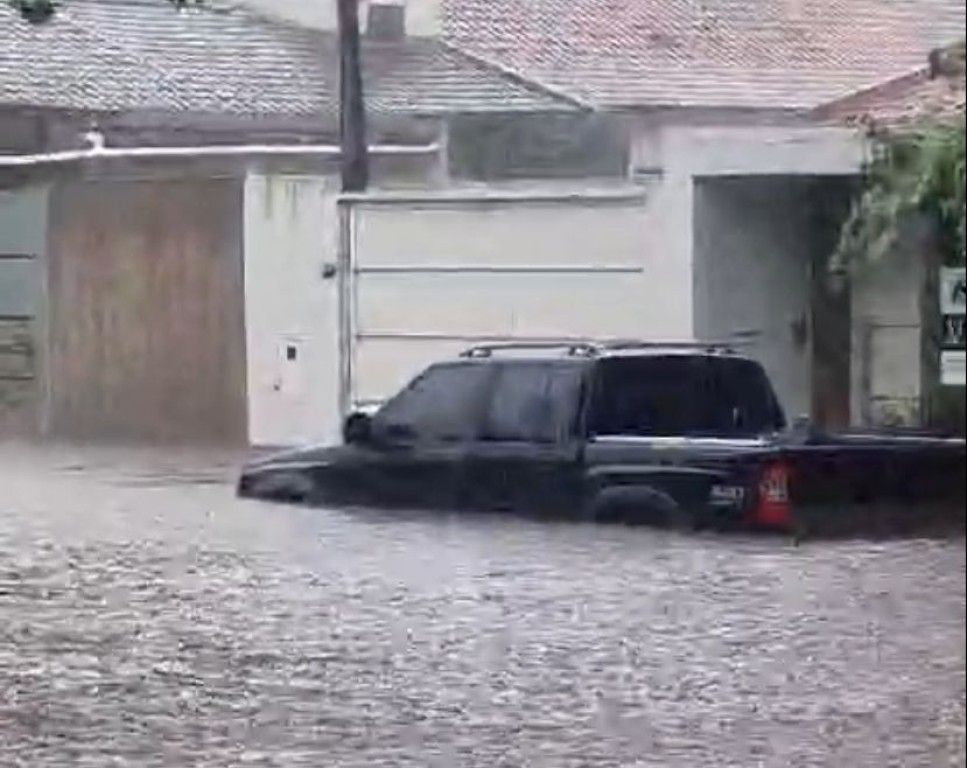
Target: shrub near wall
914, 174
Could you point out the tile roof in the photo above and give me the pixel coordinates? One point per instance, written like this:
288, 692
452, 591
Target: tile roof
904, 101
774, 54
918, 96
146, 54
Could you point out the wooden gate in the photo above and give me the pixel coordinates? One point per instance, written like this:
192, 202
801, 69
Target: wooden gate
146, 311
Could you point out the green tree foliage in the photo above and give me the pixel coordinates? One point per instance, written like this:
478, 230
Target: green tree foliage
915, 173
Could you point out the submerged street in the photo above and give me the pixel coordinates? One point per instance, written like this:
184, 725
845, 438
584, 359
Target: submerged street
148, 617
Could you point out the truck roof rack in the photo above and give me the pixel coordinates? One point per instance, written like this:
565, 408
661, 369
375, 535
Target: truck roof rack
578, 348
620, 345
570, 348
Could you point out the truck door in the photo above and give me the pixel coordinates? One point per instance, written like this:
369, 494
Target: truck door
526, 456
421, 435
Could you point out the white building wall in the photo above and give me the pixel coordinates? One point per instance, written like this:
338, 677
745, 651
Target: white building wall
886, 339
423, 17
675, 154
429, 275
291, 309
756, 150
292, 231
671, 159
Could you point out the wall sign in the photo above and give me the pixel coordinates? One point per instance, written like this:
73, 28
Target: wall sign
953, 306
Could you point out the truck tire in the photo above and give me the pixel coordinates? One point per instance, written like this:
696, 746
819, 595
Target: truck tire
636, 505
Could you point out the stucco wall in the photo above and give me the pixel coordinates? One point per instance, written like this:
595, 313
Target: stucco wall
291, 233
667, 158
886, 339
753, 230
291, 240
769, 150
291, 308
423, 17
525, 260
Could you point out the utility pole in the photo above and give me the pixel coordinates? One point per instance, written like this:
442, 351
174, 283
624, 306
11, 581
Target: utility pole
352, 117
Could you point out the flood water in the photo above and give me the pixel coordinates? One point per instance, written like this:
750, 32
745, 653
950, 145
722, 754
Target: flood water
147, 617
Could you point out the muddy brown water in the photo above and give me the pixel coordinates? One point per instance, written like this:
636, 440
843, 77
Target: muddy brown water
149, 618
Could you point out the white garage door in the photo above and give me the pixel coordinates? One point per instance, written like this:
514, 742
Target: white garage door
431, 276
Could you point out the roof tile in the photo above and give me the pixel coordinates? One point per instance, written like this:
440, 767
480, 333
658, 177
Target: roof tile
782, 54
103, 55
907, 100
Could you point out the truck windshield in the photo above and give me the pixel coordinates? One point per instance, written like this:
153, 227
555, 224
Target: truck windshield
683, 395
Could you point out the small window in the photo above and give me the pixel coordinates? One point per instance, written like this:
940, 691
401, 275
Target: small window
533, 402
441, 404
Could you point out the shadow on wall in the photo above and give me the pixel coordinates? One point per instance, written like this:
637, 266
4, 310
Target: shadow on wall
761, 244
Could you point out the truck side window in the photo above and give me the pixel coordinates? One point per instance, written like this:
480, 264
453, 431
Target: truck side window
682, 395
441, 404
533, 402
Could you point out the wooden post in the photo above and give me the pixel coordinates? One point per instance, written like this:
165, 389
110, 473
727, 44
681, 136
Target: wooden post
352, 119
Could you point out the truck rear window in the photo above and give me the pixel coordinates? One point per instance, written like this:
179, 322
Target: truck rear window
683, 395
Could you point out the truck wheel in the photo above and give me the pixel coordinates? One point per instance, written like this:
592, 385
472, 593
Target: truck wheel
635, 505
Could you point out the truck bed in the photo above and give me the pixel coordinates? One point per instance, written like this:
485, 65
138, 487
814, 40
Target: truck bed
837, 484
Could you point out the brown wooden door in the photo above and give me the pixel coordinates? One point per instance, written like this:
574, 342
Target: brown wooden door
146, 311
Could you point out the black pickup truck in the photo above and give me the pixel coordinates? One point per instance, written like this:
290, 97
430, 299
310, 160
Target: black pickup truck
676, 434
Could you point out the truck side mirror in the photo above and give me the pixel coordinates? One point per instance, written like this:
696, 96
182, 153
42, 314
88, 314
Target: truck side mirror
357, 429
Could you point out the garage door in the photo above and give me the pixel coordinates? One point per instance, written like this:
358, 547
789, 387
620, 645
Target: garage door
432, 276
